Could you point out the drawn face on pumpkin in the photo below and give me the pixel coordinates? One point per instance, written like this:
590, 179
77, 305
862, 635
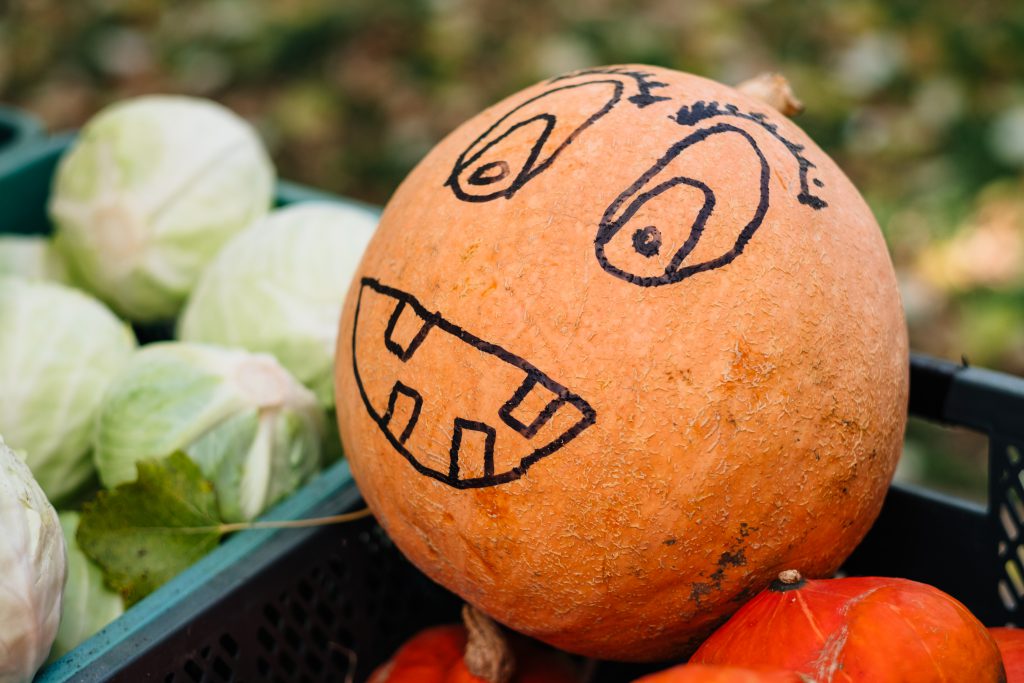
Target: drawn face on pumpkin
613, 356
498, 442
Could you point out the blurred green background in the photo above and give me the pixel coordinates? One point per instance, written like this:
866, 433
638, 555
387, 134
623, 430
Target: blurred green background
922, 104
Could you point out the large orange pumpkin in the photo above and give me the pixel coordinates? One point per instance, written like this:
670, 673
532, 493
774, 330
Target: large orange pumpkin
857, 630
624, 346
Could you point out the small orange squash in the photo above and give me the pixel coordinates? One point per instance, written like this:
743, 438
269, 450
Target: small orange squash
473, 652
857, 630
1011, 645
701, 673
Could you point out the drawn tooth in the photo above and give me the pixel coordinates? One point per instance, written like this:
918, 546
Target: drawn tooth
406, 403
472, 451
406, 330
531, 406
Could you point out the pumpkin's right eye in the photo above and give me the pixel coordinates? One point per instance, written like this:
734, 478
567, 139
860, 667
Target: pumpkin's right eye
692, 211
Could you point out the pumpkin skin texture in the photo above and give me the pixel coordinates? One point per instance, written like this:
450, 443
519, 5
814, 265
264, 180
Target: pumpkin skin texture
700, 673
861, 629
434, 655
1011, 646
617, 355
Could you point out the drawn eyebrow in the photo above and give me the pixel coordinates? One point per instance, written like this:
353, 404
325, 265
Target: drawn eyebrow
645, 85
697, 112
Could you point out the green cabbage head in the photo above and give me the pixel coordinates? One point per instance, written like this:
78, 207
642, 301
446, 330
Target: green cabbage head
279, 286
32, 570
59, 349
252, 428
149, 193
32, 257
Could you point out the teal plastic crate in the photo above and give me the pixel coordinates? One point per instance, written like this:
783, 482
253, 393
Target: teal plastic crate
17, 127
140, 635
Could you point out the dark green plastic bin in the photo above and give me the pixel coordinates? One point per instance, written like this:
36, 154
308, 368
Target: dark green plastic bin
16, 128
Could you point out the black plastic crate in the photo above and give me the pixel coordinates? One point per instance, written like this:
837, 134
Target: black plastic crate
972, 552
294, 611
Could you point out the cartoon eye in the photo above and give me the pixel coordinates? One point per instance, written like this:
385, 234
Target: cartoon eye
528, 139
502, 165
665, 226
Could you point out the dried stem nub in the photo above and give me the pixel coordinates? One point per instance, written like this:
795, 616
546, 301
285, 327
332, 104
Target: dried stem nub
773, 89
788, 580
488, 655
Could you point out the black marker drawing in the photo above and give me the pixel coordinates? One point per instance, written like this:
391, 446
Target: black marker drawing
504, 439
692, 114
643, 79
483, 173
638, 252
646, 240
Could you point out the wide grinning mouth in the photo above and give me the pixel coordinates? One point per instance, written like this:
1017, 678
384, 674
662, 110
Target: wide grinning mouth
488, 427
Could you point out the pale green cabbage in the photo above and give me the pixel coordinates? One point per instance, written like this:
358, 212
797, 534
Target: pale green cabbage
32, 257
88, 604
278, 287
254, 431
32, 570
149, 192
59, 349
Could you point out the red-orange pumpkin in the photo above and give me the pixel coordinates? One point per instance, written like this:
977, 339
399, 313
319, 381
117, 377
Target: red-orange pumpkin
1011, 645
473, 652
863, 629
700, 673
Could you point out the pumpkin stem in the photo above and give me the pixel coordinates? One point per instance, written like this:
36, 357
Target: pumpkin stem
788, 580
774, 90
488, 655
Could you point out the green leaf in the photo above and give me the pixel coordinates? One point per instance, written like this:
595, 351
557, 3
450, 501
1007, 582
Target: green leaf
145, 532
